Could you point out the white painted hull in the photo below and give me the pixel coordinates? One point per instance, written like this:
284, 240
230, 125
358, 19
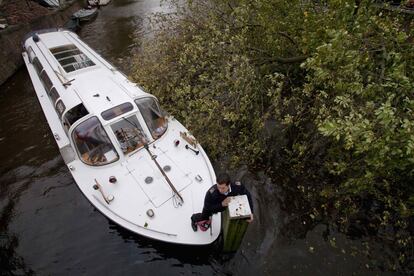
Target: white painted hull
132, 196
85, 14
50, 3
99, 2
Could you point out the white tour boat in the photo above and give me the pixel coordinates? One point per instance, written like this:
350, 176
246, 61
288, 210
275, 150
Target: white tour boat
139, 167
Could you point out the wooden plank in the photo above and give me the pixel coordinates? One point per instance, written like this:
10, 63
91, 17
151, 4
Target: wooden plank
234, 223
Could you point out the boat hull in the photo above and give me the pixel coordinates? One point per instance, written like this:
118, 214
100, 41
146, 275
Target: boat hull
120, 190
98, 2
49, 3
85, 14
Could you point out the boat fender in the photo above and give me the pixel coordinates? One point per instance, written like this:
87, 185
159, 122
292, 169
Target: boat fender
204, 225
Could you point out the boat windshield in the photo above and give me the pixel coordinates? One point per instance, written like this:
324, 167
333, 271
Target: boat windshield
116, 111
129, 134
93, 144
153, 117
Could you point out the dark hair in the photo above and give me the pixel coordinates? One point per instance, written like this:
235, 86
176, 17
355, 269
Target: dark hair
223, 178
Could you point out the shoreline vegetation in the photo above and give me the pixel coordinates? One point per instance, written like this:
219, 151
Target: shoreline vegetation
318, 94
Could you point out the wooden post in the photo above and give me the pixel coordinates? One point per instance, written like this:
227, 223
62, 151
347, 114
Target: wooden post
234, 222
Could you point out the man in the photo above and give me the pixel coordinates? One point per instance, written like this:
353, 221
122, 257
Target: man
217, 199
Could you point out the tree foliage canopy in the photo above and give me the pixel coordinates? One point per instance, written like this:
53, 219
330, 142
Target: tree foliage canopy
321, 90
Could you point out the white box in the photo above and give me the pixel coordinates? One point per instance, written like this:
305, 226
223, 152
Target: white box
239, 207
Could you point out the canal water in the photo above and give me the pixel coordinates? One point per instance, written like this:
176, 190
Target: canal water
47, 227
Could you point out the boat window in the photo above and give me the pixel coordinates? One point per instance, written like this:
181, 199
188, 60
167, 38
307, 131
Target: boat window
129, 134
74, 114
54, 95
93, 144
71, 58
60, 108
31, 54
152, 114
47, 83
37, 65
116, 111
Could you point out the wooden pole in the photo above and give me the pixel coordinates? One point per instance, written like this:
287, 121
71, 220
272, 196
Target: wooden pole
235, 223
153, 157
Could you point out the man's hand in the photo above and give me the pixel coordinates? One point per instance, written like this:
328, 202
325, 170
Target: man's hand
226, 202
250, 219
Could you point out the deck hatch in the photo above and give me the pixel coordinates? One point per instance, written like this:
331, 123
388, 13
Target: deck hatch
71, 58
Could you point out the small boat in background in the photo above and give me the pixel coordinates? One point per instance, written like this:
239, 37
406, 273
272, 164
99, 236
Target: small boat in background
3, 23
49, 3
85, 14
72, 24
98, 2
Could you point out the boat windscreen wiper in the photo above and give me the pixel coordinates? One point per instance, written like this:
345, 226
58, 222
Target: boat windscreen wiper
153, 157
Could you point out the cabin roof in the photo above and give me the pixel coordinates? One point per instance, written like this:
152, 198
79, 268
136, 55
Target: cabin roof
99, 93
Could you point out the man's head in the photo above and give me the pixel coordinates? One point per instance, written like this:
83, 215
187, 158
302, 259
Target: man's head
223, 183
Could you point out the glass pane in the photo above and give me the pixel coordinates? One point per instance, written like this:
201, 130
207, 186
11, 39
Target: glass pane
60, 108
69, 68
116, 111
152, 114
93, 144
47, 83
75, 114
31, 54
61, 55
66, 61
54, 95
71, 58
38, 67
129, 134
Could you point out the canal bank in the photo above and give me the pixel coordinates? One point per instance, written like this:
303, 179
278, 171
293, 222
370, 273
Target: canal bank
24, 17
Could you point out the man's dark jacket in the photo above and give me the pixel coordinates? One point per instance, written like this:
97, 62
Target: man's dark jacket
213, 199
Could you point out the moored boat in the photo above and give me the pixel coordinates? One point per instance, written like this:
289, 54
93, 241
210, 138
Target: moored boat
98, 2
85, 14
137, 166
72, 24
49, 3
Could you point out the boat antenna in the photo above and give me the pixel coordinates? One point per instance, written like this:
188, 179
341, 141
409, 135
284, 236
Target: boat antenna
154, 158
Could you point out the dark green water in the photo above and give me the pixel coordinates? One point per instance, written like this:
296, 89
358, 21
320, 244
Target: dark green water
47, 227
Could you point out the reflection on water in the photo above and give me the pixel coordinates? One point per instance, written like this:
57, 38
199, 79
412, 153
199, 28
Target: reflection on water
118, 27
47, 227
24, 138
